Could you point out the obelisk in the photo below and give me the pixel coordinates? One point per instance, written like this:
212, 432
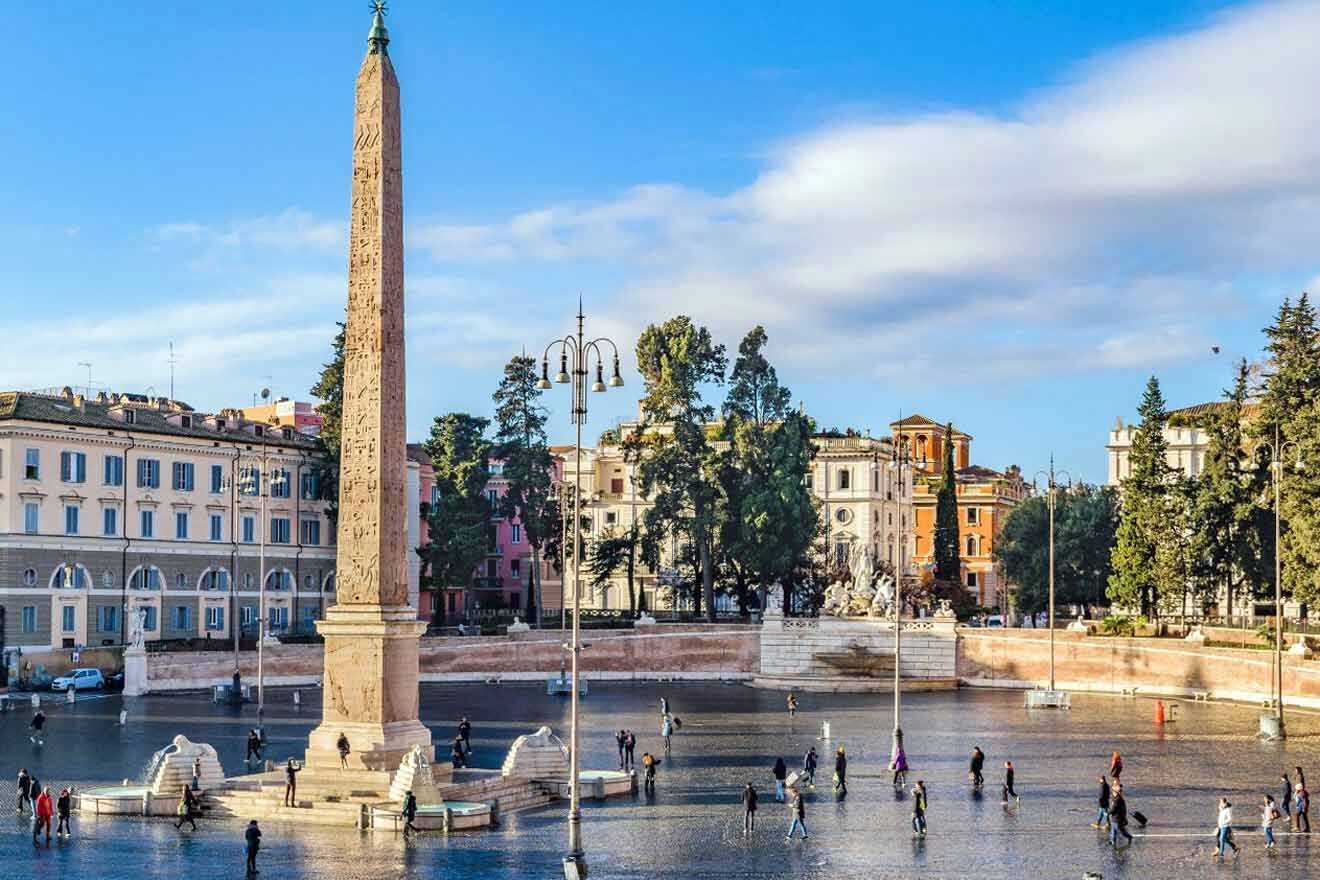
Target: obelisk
371, 633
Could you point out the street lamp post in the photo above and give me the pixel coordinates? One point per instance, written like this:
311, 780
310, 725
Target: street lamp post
1278, 449
900, 456
1050, 502
579, 349
252, 484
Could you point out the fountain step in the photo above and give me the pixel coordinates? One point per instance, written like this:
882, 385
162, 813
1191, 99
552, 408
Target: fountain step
341, 815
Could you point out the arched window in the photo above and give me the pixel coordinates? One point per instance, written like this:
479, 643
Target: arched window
279, 579
29, 577
145, 577
214, 579
971, 545
70, 576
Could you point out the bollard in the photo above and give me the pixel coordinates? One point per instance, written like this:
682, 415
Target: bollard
825, 730
123, 717
36, 701
297, 698
70, 694
1159, 711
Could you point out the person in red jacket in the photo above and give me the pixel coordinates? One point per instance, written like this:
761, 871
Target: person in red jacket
44, 810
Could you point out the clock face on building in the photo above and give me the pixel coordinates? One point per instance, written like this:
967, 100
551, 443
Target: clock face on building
843, 515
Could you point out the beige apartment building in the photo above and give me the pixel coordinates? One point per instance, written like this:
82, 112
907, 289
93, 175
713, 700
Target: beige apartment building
862, 503
123, 502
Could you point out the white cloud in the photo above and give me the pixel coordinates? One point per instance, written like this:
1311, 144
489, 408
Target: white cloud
1100, 224
291, 229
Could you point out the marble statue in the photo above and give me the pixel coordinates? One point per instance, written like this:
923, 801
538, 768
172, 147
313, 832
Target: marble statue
137, 629
883, 601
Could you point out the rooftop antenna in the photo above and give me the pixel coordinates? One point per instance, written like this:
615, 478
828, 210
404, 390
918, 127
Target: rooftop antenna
88, 365
172, 362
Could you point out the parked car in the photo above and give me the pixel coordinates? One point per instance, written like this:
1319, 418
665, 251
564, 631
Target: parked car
79, 680
994, 620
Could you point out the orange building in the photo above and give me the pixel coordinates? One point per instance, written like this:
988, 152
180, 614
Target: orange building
985, 497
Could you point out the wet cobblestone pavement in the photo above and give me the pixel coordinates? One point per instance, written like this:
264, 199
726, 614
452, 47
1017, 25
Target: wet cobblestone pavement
692, 825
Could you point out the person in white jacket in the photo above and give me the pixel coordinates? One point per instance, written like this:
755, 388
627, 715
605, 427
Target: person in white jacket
1269, 814
1224, 836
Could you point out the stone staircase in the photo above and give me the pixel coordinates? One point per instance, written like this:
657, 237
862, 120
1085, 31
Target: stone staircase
341, 798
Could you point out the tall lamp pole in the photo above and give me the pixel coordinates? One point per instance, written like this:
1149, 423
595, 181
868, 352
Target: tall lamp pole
252, 484
900, 456
1051, 501
579, 349
1278, 449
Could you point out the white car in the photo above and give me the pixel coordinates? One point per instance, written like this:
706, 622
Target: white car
79, 680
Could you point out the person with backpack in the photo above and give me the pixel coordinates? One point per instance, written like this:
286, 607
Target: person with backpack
1269, 814
792, 704
621, 739
629, 745
253, 746
1102, 816
251, 845
1224, 829
186, 810
38, 725
799, 812
749, 808
780, 772
648, 771
900, 767
919, 808
809, 761
465, 731
666, 730
1285, 798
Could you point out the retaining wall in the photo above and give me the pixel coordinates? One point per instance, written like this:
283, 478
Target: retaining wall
794, 649
1020, 659
681, 651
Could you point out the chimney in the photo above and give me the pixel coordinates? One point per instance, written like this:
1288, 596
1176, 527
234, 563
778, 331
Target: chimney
78, 402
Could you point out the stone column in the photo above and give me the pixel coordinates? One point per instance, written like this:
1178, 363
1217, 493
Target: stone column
371, 634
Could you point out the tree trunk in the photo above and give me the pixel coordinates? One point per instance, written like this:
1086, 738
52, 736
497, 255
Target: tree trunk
632, 567
535, 610
707, 578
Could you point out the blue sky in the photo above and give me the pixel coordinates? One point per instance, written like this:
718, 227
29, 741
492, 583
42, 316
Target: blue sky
1007, 214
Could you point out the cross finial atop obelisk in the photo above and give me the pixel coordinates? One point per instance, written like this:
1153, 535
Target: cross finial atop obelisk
378, 39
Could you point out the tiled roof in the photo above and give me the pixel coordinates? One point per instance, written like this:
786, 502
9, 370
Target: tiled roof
917, 420
22, 406
1197, 412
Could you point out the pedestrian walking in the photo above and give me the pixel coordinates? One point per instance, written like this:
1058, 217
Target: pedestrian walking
34, 790
24, 791
63, 809
38, 725
186, 809
1285, 798
792, 704
197, 774
919, 808
291, 770
1269, 814
975, 766
799, 812
1102, 815
342, 745
809, 761
648, 770
1224, 829
45, 808
1118, 817
1302, 808
900, 767
780, 771
465, 731
749, 808
252, 843
1301, 776
1116, 766
621, 740
456, 756
664, 707
666, 730
841, 773
1008, 784
409, 814
629, 745
253, 746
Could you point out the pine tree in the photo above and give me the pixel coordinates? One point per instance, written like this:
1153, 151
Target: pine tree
1135, 581
1290, 413
948, 560
459, 521
329, 389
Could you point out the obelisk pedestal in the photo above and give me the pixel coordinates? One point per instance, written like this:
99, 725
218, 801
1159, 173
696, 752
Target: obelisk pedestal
371, 633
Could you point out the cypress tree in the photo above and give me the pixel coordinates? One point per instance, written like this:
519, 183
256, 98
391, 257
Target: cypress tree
948, 562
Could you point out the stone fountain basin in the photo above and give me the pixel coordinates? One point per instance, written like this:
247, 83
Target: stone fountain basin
462, 816
594, 784
125, 800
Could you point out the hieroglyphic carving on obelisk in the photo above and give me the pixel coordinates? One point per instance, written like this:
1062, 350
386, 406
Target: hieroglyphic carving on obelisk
372, 558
